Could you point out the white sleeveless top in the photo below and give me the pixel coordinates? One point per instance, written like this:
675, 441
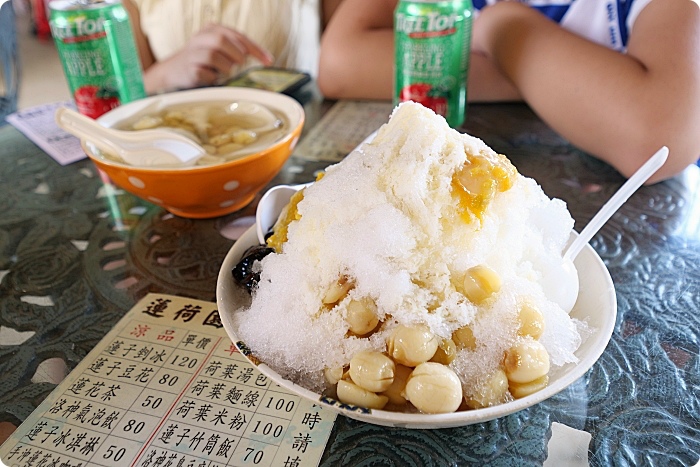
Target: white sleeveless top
289, 29
607, 22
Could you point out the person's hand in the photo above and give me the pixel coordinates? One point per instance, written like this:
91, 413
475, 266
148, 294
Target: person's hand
205, 59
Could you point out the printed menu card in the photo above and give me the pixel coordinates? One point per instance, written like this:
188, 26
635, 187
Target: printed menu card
166, 387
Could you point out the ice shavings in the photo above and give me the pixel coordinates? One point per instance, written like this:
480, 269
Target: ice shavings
386, 219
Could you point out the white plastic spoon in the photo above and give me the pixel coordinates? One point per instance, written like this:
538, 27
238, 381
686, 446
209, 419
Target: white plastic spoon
143, 148
562, 285
618, 199
271, 205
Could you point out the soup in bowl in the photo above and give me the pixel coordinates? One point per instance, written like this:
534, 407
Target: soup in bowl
247, 134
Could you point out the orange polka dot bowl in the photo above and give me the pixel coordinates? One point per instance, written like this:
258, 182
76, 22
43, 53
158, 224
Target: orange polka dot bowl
251, 151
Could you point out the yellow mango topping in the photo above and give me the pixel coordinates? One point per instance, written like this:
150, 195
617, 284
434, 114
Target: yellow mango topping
477, 183
290, 214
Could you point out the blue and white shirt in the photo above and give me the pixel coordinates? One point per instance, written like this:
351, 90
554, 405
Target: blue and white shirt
607, 22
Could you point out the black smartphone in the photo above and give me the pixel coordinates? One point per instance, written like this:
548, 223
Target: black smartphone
280, 80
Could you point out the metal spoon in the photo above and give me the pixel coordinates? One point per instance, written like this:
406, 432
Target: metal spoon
144, 148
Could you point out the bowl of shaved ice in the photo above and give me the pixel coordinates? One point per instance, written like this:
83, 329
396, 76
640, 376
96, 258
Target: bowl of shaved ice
419, 283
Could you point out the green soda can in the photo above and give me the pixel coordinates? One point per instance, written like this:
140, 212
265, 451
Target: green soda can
431, 40
97, 49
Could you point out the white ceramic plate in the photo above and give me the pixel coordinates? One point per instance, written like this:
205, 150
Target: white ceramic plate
596, 305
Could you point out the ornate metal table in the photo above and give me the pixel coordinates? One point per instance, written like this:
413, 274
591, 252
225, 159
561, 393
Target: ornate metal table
76, 254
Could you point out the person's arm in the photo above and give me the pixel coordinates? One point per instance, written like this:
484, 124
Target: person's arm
328, 8
208, 56
618, 107
357, 57
357, 51
144, 49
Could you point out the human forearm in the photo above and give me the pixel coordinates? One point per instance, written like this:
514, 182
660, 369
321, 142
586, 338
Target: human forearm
357, 57
486, 83
619, 107
145, 53
207, 57
155, 79
359, 69
357, 51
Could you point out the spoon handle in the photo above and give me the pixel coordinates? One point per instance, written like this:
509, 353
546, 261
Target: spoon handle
618, 199
86, 128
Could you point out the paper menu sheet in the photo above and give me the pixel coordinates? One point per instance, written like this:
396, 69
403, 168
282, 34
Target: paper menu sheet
344, 127
166, 387
39, 125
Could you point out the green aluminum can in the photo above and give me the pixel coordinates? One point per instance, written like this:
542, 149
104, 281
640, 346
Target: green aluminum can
432, 41
97, 49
